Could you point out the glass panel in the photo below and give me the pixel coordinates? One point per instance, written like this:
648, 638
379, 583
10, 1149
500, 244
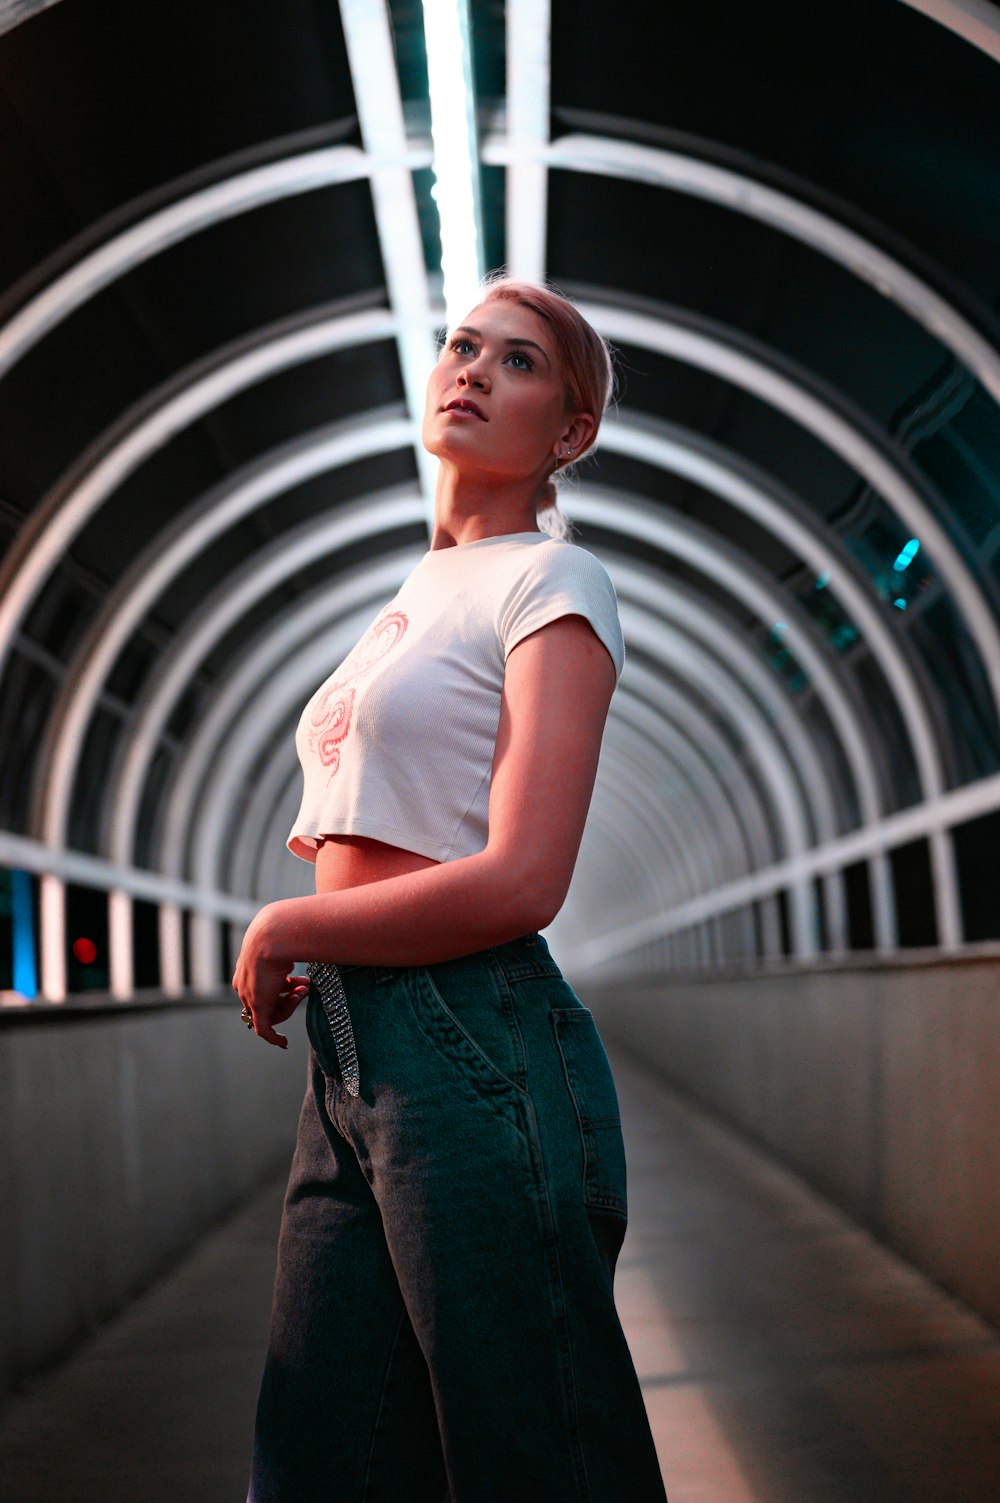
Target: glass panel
146, 942
861, 935
87, 960
786, 933
911, 872
821, 927
976, 845
957, 442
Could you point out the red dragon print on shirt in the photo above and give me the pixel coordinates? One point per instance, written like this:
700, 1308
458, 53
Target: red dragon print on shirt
330, 714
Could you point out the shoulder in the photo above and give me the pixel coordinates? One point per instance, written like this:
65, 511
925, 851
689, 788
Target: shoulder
562, 562
559, 578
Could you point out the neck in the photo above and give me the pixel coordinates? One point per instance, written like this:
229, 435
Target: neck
467, 508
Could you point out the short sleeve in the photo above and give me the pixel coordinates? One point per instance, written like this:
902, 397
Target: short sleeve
563, 580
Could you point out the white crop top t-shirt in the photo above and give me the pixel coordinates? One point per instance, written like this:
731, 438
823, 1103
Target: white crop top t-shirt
398, 743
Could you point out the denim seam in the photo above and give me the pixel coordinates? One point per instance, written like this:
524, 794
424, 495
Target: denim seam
593, 1198
558, 1304
513, 1021
381, 1401
565, 1339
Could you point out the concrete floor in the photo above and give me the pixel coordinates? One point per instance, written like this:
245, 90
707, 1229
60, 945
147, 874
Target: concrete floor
785, 1356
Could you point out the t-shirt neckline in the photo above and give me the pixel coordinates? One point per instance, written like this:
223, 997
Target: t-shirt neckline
497, 537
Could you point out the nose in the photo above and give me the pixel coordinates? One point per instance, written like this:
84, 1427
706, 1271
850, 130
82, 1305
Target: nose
473, 373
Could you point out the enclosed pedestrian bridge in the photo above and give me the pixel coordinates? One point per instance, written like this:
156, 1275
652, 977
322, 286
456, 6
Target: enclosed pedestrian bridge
232, 236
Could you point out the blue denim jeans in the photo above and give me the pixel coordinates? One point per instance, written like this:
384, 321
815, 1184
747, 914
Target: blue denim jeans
444, 1326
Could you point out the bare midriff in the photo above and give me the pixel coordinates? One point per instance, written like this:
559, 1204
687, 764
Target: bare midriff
352, 860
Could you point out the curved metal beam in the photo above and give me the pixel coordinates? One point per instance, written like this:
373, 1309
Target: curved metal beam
682, 172
693, 770
277, 790
819, 415
631, 749
305, 645
694, 741
299, 548
265, 659
728, 693
13, 12
145, 427
154, 569
276, 642
685, 723
975, 21
707, 464
305, 172
883, 937
696, 459
267, 712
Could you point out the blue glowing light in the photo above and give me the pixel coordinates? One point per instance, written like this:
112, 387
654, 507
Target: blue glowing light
906, 555
25, 978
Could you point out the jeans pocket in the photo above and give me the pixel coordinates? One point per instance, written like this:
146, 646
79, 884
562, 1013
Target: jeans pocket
592, 1088
471, 1019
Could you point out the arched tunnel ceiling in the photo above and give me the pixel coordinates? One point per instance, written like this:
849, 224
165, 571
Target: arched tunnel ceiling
219, 274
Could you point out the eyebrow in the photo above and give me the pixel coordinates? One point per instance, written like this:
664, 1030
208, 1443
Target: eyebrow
468, 329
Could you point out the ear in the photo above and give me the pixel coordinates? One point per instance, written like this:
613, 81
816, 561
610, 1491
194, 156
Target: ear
577, 435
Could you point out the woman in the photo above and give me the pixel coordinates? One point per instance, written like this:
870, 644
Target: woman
444, 1323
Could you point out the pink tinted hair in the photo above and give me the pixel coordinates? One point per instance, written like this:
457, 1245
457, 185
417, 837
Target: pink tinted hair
585, 359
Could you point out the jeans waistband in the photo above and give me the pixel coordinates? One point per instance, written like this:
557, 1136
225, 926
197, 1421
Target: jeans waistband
528, 955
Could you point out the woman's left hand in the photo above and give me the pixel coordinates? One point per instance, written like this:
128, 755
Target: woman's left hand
264, 984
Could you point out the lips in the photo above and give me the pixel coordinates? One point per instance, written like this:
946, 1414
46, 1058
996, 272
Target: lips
463, 404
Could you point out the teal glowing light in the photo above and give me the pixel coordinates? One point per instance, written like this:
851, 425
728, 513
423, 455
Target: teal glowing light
906, 555
25, 977
779, 629
901, 603
823, 580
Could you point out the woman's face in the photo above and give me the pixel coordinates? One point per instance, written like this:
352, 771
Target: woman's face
496, 400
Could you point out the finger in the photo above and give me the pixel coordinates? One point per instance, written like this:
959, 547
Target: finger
267, 1033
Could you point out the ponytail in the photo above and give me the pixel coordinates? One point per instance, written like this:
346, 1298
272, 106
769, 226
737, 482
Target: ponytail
548, 515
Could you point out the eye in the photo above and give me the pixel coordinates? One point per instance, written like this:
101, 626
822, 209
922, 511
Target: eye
522, 355
459, 342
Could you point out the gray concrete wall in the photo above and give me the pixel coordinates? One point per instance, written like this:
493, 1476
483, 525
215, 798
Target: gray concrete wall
125, 1134
879, 1083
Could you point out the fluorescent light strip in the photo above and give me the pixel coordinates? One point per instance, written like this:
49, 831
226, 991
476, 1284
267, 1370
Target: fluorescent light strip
456, 156
368, 37
528, 70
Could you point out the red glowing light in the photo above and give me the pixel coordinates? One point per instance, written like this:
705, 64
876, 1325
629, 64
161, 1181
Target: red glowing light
85, 951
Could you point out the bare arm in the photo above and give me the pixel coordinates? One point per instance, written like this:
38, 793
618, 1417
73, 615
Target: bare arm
557, 688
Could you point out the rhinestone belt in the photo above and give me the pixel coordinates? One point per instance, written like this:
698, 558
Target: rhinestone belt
326, 979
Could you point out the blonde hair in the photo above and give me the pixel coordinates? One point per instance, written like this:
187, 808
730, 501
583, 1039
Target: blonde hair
587, 370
